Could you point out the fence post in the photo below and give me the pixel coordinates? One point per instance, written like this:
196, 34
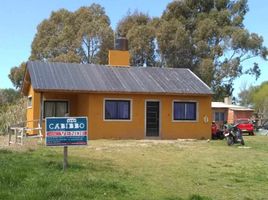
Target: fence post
9, 137
40, 131
22, 134
16, 136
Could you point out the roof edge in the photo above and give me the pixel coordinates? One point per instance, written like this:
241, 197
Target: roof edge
121, 92
222, 105
200, 80
25, 83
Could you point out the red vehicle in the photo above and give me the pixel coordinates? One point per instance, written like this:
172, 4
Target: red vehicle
245, 126
214, 130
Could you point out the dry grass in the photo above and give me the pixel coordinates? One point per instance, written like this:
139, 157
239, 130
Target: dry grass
30, 144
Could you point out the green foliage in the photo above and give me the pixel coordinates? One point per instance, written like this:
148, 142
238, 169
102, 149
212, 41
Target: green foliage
83, 36
138, 29
94, 34
223, 90
174, 44
16, 75
246, 95
12, 108
8, 96
54, 38
12, 114
209, 38
256, 96
260, 100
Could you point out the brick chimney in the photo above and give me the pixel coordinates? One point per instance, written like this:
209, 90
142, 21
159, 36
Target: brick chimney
228, 100
120, 55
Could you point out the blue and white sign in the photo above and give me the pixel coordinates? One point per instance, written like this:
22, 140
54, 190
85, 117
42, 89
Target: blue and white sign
66, 131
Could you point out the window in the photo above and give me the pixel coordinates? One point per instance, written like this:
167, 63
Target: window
219, 116
184, 111
117, 109
55, 108
29, 102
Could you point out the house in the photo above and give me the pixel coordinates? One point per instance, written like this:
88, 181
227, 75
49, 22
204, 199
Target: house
226, 111
121, 102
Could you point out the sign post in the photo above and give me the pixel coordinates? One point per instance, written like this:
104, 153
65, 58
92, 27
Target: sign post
65, 156
66, 131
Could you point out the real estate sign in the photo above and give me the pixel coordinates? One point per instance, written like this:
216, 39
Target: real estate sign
66, 131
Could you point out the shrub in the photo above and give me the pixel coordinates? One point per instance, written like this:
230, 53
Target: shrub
12, 114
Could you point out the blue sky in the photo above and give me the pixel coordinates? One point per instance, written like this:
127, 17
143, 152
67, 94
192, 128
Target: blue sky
19, 19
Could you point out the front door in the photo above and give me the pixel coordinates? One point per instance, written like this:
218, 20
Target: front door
152, 118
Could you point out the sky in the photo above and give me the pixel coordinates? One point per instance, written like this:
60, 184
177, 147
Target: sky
19, 20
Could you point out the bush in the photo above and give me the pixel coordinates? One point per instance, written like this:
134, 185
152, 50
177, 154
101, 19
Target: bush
12, 114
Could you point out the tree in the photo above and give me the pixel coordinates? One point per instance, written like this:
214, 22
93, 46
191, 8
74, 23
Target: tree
94, 34
260, 101
83, 36
12, 114
16, 75
174, 44
10, 99
8, 96
138, 29
256, 97
54, 38
209, 37
246, 95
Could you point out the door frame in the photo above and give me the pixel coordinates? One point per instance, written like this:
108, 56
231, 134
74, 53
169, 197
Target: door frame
160, 119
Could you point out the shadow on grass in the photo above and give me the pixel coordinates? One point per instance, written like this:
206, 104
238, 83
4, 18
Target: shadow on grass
5, 151
198, 197
192, 197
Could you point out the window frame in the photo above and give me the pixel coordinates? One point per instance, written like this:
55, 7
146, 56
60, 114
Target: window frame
186, 120
29, 99
118, 99
55, 101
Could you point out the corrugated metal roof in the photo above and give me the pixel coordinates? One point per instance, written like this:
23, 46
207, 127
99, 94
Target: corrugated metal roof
52, 76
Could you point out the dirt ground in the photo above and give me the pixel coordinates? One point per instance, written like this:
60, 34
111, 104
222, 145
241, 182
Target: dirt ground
34, 143
28, 143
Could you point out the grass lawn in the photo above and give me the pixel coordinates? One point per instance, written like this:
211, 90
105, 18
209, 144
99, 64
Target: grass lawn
130, 169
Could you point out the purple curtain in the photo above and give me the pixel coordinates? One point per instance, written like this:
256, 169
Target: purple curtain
184, 111
115, 109
191, 111
123, 110
179, 111
110, 110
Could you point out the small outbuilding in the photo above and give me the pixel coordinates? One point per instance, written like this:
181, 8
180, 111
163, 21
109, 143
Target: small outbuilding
226, 111
121, 102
